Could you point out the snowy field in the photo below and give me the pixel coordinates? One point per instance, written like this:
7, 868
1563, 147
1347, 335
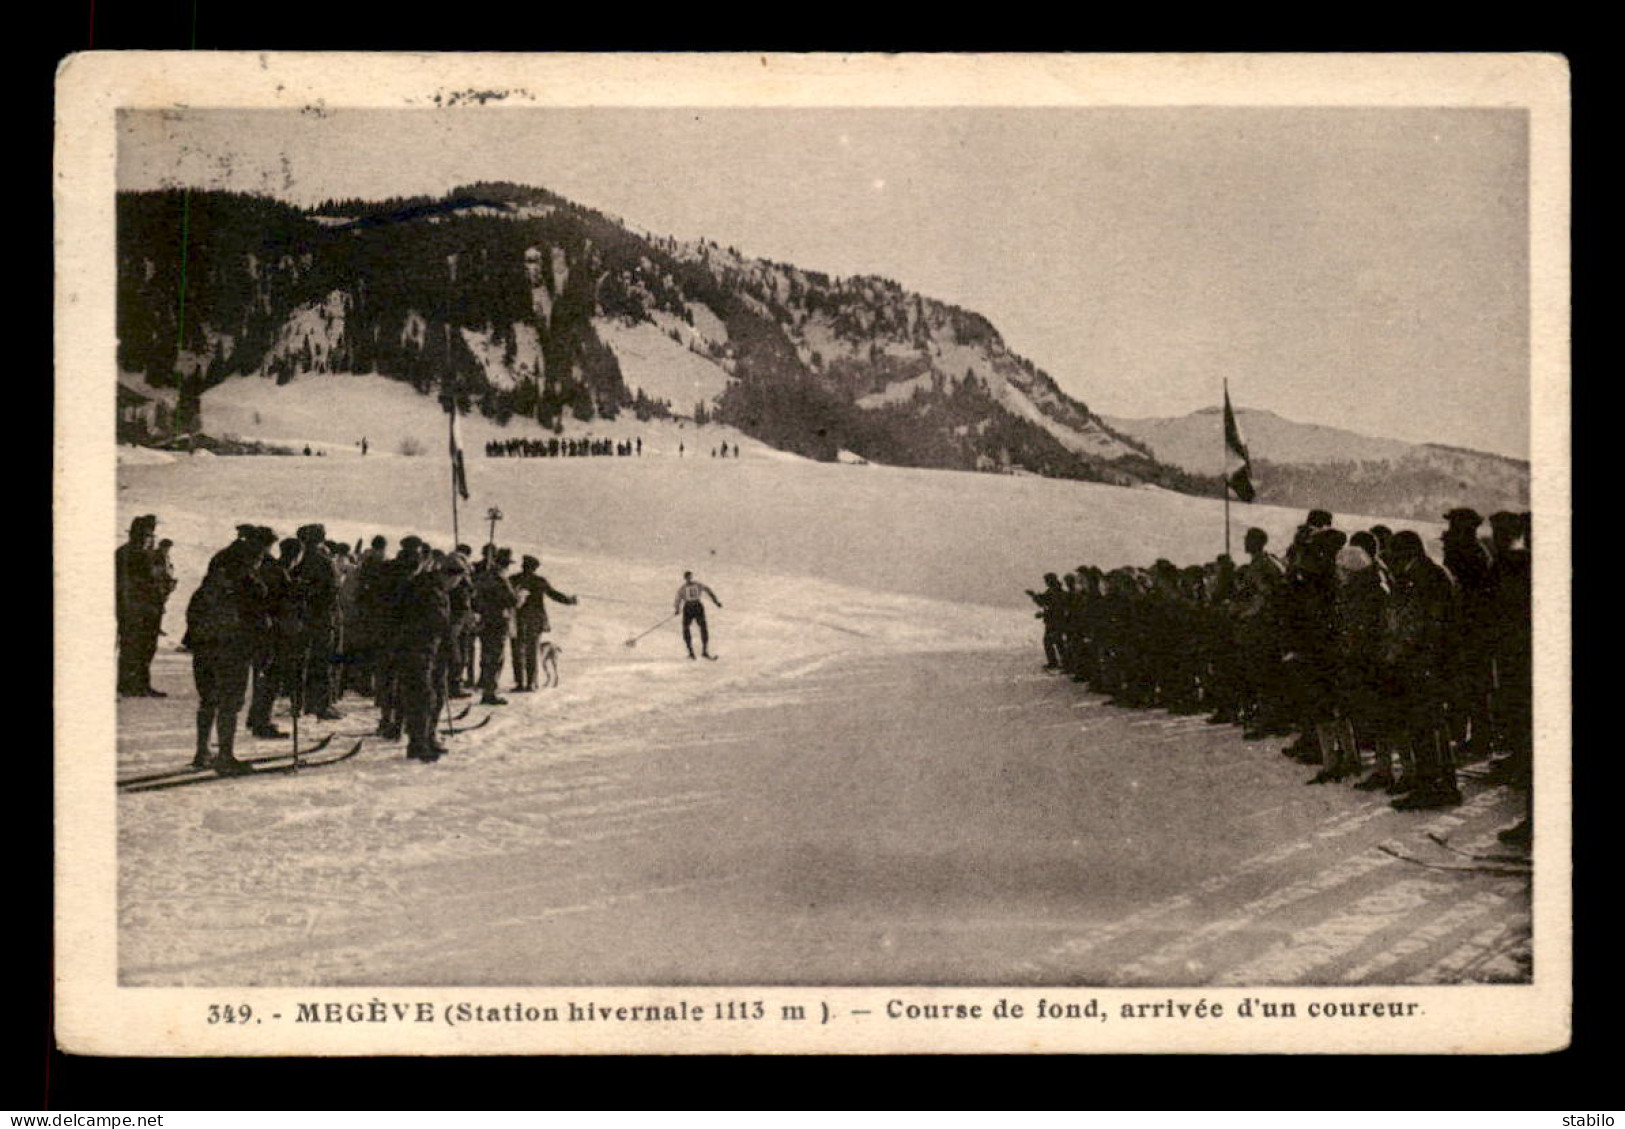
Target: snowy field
333, 412
873, 783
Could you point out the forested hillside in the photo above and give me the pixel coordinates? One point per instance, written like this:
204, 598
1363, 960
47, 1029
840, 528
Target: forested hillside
512, 301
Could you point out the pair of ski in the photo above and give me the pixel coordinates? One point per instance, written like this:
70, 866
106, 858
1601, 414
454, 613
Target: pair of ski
447, 729
1506, 865
265, 764
451, 728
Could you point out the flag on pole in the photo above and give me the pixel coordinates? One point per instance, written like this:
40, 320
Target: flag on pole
1238, 464
459, 474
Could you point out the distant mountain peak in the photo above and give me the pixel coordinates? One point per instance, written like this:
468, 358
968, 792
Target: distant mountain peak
1319, 466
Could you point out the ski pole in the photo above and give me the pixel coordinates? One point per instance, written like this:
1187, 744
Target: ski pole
632, 642
445, 691
299, 704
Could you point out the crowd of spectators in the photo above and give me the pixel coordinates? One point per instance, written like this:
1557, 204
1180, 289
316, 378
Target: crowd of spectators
1389, 669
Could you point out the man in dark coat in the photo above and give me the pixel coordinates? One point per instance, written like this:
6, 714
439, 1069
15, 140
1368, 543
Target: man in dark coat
1512, 626
277, 636
423, 627
1414, 658
1221, 680
1086, 646
316, 583
1075, 624
1471, 640
219, 624
392, 580
468, 642
1352, 721
1118, 625
531, 619
1310, 636
164, 566
464, 628
1316, 521
141, 593
1256, 618
1050, 609
367, 621
494, 601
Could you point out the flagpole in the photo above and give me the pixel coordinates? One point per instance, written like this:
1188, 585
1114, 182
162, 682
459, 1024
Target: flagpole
1224, 479
452, 448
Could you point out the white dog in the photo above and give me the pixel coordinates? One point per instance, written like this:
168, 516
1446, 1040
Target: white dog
548, 653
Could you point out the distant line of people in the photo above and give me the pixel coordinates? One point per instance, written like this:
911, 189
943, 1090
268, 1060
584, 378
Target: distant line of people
1361, 645
556, 448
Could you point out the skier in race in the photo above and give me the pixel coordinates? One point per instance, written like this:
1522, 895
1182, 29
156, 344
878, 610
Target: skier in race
689, 603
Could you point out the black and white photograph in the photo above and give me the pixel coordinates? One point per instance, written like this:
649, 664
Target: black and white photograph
705, 553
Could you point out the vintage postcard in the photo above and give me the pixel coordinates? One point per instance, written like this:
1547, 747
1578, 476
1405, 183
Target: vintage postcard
812, 553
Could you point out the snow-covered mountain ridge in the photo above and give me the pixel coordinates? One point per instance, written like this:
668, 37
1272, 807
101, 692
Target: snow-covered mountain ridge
516, 302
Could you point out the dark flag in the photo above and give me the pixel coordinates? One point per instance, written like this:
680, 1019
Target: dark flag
1238, 464
459, 474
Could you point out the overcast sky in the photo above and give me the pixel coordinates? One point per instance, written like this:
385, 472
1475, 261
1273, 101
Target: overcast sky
1360, 268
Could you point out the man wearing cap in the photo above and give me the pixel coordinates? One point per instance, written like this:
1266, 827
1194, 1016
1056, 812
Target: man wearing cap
245, 534
534, 591
140, 594
1348, 720
1087, 647
494, 601
367, 626
464, 627
340, 673
1511, 618
316, 582
276, 634
164, 567
423, 616
1255, 609
1309, 635
1316, 521
1413, 656
1049, 603
219, 620
392, 583
459, 588
467, 673
1471, 640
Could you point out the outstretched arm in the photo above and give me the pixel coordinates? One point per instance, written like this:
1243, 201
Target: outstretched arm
712, 594
554, 594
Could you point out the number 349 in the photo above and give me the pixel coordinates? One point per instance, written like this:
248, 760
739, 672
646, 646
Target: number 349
230, 1013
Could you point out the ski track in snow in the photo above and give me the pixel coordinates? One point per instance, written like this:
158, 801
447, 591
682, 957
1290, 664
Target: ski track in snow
333, 845
542, 823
